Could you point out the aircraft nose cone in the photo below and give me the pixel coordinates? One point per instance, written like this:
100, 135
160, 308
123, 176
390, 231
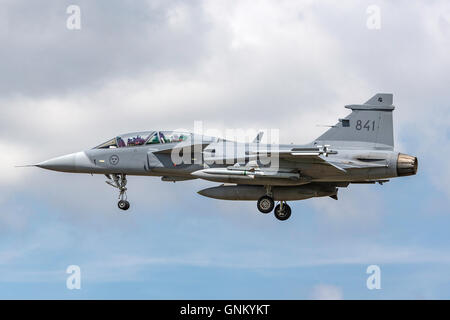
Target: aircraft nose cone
74, 162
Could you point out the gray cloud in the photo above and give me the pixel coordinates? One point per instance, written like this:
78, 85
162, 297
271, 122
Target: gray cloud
40, 56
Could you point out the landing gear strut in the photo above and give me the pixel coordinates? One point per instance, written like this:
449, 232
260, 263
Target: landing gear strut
120, 182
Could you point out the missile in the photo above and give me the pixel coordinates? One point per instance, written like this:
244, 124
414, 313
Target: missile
250, 176
248, 173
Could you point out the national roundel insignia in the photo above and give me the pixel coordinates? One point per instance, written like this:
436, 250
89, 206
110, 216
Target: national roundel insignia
114, 160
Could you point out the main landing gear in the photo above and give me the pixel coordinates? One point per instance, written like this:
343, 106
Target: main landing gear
119, 181
266, 204
282, 211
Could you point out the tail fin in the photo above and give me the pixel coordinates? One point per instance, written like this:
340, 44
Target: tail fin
368, 125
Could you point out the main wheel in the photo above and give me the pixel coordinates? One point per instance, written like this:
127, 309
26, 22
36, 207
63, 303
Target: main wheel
265, 204
282, 214
123, 204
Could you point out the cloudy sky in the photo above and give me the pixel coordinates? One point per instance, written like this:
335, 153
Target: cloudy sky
288, 65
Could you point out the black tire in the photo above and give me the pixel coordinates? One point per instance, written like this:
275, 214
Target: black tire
282, 215
123, 205
265, 204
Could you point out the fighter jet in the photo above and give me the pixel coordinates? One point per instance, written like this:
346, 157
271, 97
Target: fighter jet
357, 149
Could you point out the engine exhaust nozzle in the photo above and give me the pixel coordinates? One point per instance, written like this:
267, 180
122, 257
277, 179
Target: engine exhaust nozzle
406, 165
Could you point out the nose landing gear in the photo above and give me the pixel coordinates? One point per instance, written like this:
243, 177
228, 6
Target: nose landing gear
120, 182
123, 204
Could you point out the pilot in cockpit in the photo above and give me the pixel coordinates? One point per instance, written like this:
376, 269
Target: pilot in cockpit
120, 142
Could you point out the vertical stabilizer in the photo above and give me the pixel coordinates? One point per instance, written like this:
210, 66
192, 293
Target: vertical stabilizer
368, 125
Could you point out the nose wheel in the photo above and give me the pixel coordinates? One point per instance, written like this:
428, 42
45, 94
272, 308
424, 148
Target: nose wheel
120, 182
123, 204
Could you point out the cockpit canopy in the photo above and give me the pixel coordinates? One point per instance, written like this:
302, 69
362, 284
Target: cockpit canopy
144, 138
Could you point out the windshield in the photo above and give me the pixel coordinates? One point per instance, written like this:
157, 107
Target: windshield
108, 144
